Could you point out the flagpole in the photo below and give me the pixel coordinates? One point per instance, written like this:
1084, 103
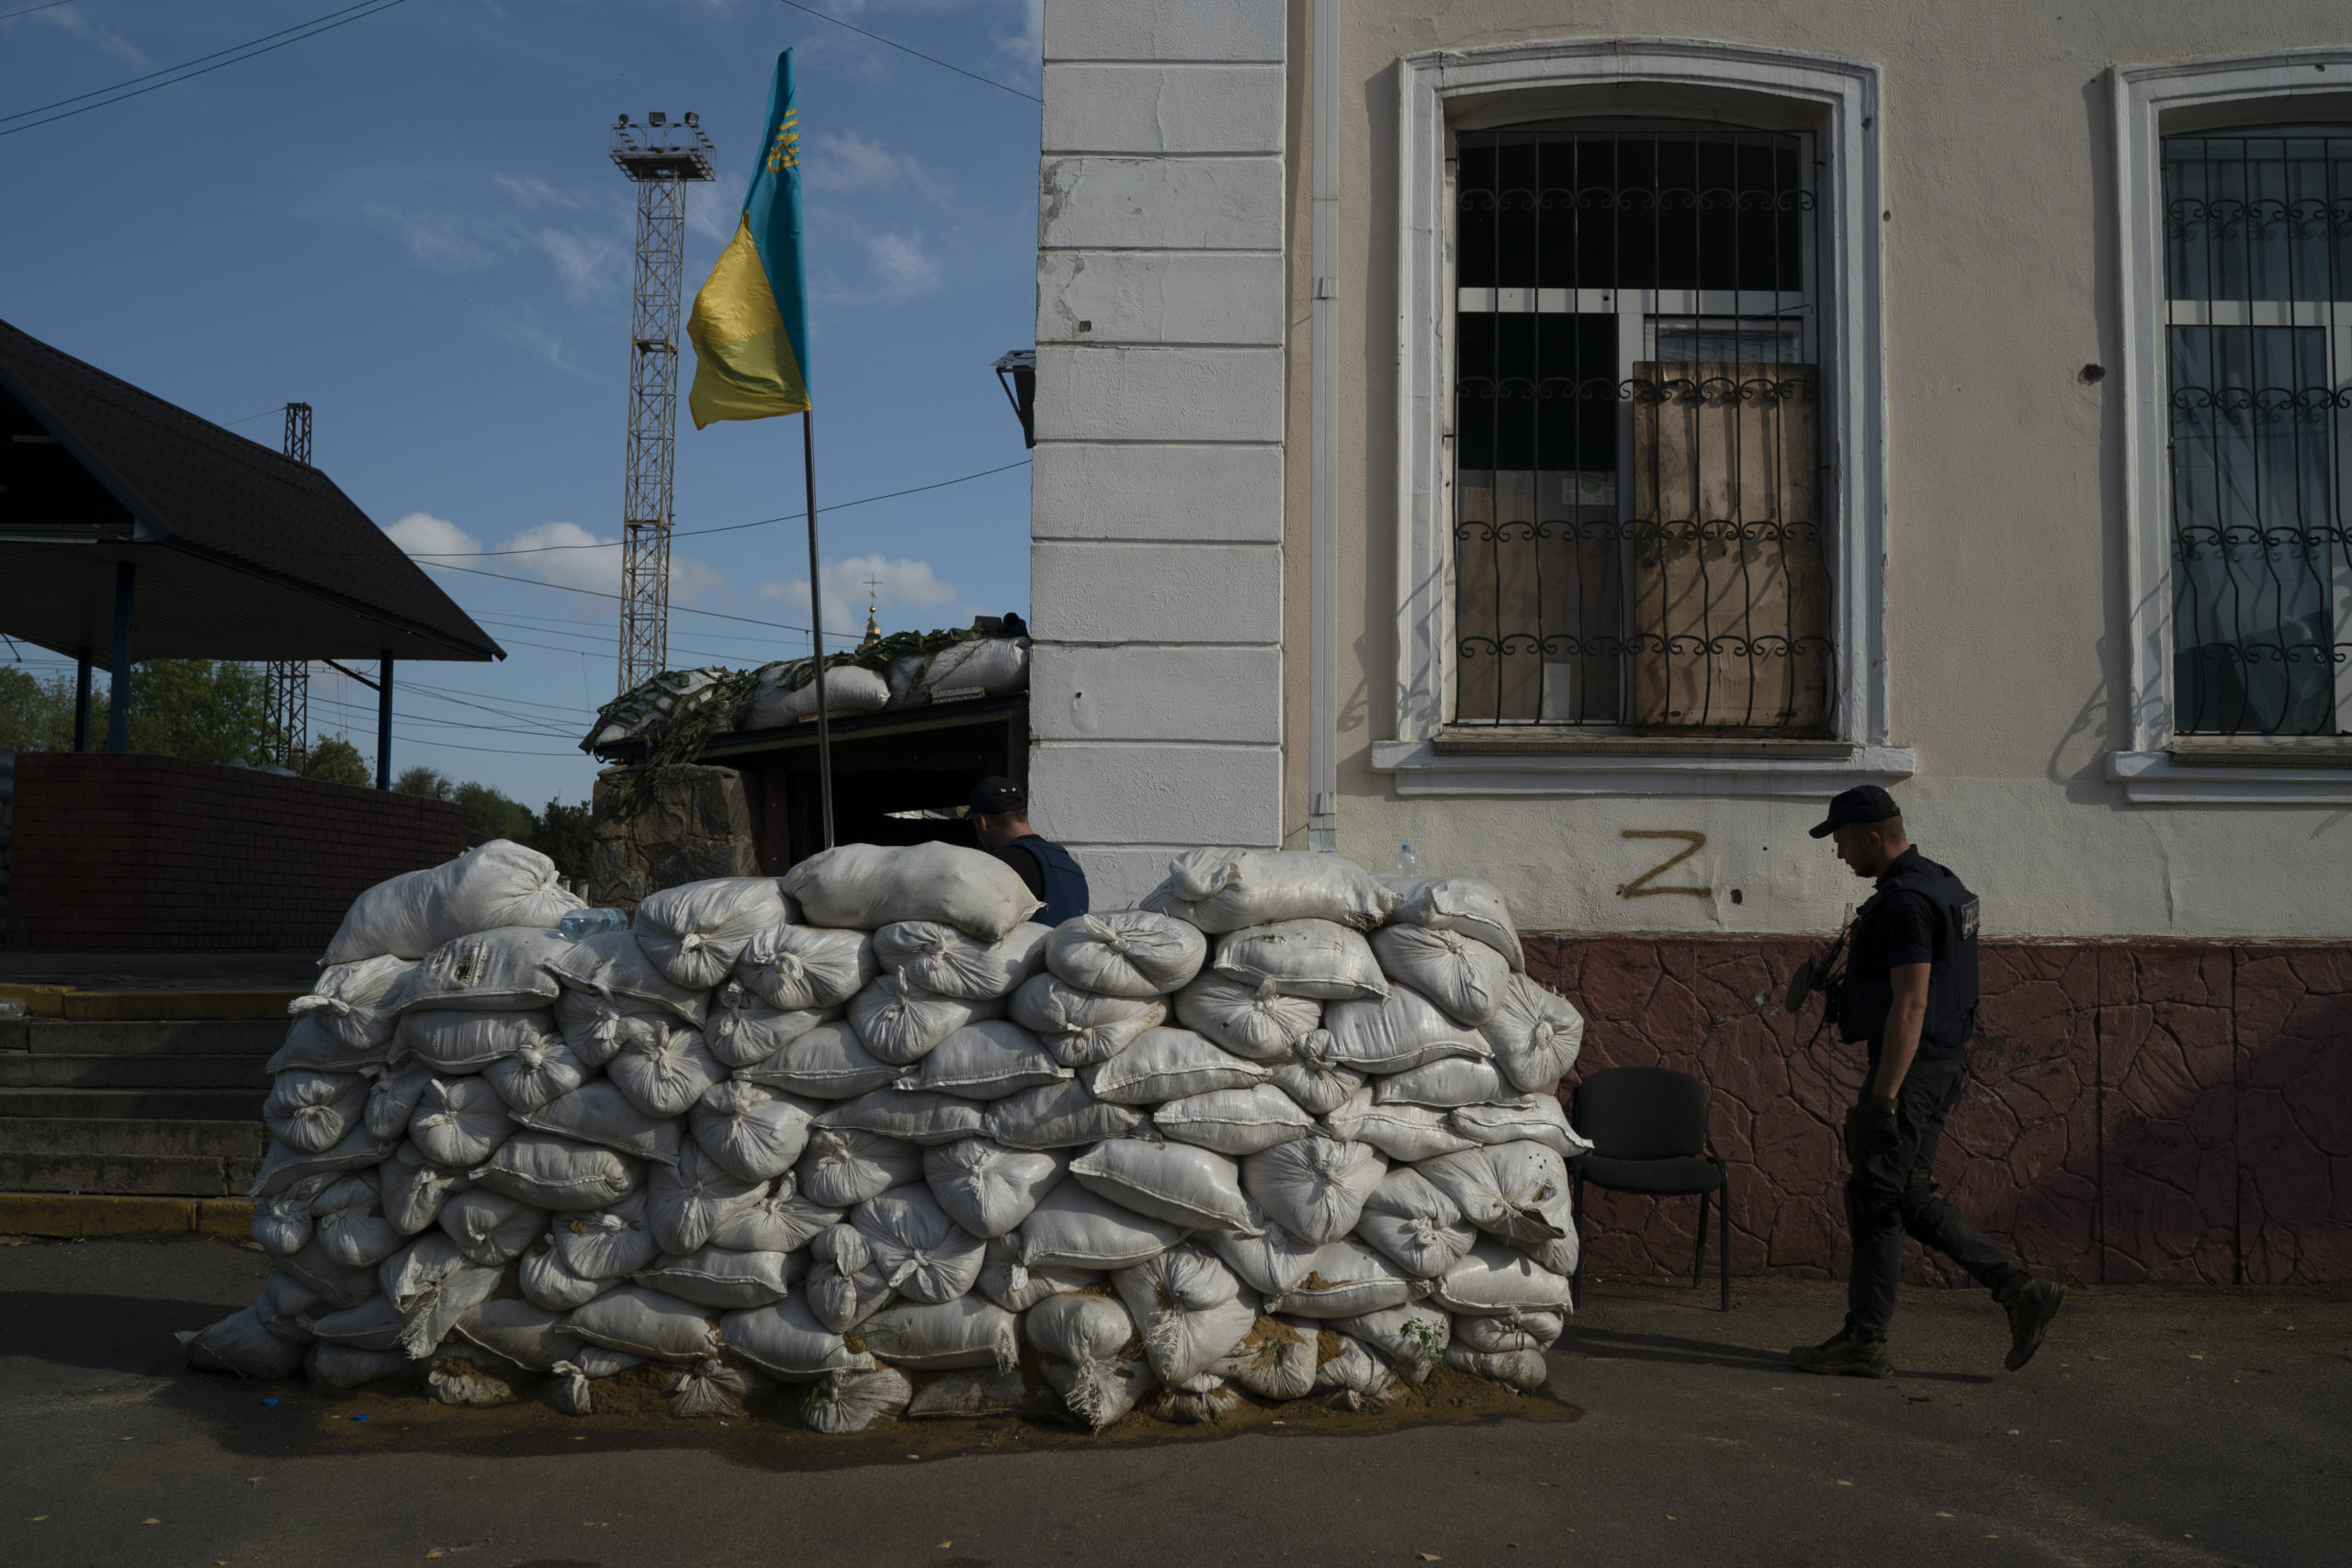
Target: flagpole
817, 626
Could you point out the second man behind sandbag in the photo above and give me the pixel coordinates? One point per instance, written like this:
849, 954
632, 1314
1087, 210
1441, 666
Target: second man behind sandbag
999, 818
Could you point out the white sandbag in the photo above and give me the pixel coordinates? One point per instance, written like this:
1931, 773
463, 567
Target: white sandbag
375, 1325
664, 1075
548, 1284
710, 1388
1399, 1033
414, 1188
597, 1112
612, 967
867, 886
1275, 1359
783, 1221
986, 666
454, 1041
1197, 1189
755, 1132
284, 1165
501, 970
846, 689
1225, 890
1073, 1228
1189, 1309
308, 1044
313, 1111
1094, 1357
1014, 1286
1512, 1331
1055, 1116
1518, 1192
841, 1404
743, 1030
941, 960
1411, 1338
695, 931
723, 1278
1414, 1225
1405, 1132
393, 1094
827, 1063
1257, 1022
1315, 1078
1201, 1400
1314, 1188
541, 1071
976, 1392
1354, 1378
643, 1322
238, 1344
1168, 1064
685, 1201
608, 1245
433, 1283
1457, 904
844, 1286
844, 1166
800, 969
1533, 1117
348, 1367
1525, 1371
1268, 1259
922, 1254
1347, 1279
493, 885
282, 1225
1441, 1086
525, 1334
936, 1337
284, 1300
1078, 1027
1535, 1037
489, 1228
1461, 975
986, 1189
597, 1027
1126, 953
984, 1061
460, 1122
352, 1228
550, 1171
356, 1003
1493, 1281
1235, 1122
918, 1118
900, 1022
1303, 958
786, 1342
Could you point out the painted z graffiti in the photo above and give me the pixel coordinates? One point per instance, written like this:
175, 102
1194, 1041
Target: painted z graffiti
1641, 887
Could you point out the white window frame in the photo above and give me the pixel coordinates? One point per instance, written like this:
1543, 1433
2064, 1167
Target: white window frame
2148, 101
1558, 79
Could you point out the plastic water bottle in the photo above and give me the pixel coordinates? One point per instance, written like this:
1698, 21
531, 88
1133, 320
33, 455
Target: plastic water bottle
1407, 862
582, 923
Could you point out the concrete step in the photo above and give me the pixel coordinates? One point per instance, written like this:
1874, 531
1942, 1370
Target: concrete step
131, 1135
143, 1104
52, 1037
189, 1176
43, 1070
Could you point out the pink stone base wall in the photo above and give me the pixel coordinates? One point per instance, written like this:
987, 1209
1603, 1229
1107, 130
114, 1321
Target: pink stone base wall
2142, 1110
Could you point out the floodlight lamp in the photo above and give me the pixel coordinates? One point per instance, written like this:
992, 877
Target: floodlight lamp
656, 119
621, 124
694, 120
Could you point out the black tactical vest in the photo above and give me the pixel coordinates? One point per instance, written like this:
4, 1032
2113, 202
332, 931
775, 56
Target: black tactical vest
1869, 995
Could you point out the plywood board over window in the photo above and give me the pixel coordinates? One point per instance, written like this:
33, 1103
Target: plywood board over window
1729, 584
1538, 558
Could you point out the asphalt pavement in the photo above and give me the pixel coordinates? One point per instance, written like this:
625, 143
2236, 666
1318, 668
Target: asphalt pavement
2157, 1427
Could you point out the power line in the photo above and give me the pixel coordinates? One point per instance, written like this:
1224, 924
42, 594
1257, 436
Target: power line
176, 74
877, 38
594, 594
45, 6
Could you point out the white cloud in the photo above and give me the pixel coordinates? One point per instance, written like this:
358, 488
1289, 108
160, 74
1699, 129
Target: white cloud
1027, 47
535, 194
908, 584
569, 555
442, 244
422, 533
97, 35
791, 599
587, 264
849, 162
901, 266
523, 328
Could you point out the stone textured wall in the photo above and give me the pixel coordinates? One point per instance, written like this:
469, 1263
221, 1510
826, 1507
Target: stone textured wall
698, 826
2142, 1111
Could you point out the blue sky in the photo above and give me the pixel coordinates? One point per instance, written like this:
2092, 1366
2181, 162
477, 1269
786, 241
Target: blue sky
412, 224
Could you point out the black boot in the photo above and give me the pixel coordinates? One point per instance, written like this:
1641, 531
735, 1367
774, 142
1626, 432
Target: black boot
2032, 1304
1844, 1356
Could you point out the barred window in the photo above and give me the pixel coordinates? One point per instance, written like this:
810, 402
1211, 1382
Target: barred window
1639, 537
2258, 340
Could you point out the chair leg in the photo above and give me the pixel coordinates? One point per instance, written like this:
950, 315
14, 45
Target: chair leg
1723, 1240
1699, 1256
1576, 1213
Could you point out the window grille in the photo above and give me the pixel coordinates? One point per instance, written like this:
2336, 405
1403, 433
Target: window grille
2258, 337
1639, 485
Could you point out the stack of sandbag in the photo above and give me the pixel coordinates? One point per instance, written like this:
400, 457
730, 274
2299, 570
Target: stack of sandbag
869, 1132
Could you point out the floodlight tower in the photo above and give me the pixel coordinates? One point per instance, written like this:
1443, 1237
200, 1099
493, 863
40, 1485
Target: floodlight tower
287, 691
663, 159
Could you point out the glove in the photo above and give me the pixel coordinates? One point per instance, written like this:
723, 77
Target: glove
1872, 1131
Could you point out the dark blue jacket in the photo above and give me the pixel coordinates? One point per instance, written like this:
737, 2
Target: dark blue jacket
1064, 890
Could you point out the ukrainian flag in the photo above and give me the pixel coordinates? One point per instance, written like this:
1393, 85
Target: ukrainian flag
750, 324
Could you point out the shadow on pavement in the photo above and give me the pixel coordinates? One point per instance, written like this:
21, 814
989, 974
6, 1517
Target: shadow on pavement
1620, 1345
107, 1333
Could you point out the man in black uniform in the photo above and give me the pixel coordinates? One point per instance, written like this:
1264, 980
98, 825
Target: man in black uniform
1910, 991
999, 818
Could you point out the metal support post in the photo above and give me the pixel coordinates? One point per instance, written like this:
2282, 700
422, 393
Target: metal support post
119, 693
82, 699
384, 722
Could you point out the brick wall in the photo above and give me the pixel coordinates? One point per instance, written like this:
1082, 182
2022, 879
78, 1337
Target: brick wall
2142, 1110
154, 853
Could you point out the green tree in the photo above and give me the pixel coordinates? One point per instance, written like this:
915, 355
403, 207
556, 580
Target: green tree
430, 783
565, 834
335, 759
35, 715
485, 814
207, 710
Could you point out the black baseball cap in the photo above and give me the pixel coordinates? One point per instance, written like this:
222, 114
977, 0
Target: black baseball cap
996, 796
1863, 803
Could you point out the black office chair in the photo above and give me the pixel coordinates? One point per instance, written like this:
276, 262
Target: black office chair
1648, 1128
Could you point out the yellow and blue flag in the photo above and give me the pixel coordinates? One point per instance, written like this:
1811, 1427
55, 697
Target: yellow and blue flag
750, 324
